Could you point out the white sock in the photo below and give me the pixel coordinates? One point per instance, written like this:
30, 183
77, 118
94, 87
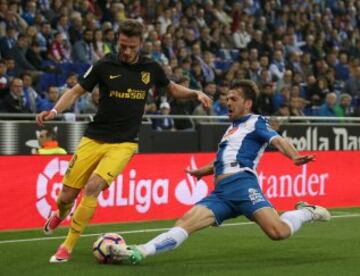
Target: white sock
295, 219
165, 241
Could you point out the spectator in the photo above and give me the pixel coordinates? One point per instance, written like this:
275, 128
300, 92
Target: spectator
220, 106
158, 55
257, 42
241, 36
342, 68
165, 123
51, 98
206, 41
8, 42
4, 80
71, 81
265, 101
31, 97
310, 48
328, 108
344, 108
164, 20
109, 45
59, 50
296, 106
33, 55
283, 110
19, 55
76, 28
14, 20
30, 12
48, 143
168, 47
182, 107
201, 111
91, 102
15, 102
281, 97
98, 44
277, 67
11, 70
44, 38
307, 68
352, 86
83, 50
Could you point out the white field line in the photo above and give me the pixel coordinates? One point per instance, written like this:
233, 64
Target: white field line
145, 231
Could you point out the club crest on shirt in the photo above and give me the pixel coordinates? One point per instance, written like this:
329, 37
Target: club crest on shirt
230, 131
145, 77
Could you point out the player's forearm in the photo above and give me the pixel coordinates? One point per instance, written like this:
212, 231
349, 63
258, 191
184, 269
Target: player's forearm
182, 92
207, 170
68, 98
285, 147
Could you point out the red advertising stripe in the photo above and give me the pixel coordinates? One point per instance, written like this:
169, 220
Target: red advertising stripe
155, 186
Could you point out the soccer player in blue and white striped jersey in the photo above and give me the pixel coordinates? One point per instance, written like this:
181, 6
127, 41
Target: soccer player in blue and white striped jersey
237, 191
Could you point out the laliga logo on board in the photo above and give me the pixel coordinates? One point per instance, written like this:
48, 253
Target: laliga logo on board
190, 190
49, 184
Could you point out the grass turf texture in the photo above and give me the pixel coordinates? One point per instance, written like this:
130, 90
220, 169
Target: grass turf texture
318, 249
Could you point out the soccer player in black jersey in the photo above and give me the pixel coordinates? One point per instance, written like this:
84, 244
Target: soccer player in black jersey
109, 141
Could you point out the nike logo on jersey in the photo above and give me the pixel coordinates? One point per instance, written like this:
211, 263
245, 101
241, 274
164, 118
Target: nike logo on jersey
114, 76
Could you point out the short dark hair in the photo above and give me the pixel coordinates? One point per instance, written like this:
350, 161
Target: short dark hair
132, 27
50, 133
250, 90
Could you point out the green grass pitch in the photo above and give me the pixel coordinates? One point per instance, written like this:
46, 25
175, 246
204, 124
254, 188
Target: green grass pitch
238, 248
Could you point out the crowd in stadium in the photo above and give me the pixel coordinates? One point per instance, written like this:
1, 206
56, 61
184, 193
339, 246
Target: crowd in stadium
304, 55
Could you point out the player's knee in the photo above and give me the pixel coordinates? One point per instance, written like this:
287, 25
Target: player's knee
276, 234
67, 196
94, 186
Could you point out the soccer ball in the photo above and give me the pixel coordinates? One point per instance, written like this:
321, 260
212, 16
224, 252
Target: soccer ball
101, 250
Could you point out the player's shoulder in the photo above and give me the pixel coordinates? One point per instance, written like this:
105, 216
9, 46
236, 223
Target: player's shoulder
148, 62
260, 120
109, 58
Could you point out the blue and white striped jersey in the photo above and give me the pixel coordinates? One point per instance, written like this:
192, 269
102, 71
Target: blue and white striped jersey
243, 144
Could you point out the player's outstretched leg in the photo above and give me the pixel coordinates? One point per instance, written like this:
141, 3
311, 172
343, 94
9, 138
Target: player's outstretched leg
304, 213
131, 253
318, 213
162, 243
197, 218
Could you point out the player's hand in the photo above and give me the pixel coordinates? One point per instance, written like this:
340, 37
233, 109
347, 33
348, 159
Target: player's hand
205, 100
44, 116
301, 160
195, 173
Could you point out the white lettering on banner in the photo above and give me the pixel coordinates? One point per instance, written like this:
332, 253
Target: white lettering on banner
287, 186
344, 141
45, 185
310, 141
142, 193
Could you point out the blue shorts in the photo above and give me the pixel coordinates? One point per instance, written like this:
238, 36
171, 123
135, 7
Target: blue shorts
236, 195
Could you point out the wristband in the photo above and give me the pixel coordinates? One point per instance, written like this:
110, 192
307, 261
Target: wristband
54, 110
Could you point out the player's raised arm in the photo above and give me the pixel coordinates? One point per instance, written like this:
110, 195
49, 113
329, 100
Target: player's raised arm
181, 92
204, 171
289, 150
65, 101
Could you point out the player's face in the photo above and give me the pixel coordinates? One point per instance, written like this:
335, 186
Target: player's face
42, 137
129, 48
237, 105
